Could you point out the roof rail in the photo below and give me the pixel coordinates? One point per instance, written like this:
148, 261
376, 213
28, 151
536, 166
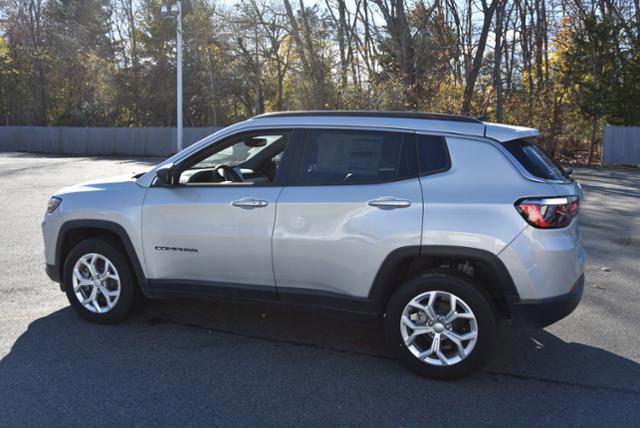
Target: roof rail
364, 113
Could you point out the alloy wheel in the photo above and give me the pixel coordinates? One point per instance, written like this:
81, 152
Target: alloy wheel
439, 328
96, 283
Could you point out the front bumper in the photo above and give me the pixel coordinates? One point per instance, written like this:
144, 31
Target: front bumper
543, 312
53, 273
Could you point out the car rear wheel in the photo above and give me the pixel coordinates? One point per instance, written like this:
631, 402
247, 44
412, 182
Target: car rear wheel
440, 325
98, 281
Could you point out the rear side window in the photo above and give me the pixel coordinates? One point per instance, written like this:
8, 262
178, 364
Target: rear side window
534, 159
433, 155
354, 157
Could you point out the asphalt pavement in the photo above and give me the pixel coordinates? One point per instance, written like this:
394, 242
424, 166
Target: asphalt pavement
205, 363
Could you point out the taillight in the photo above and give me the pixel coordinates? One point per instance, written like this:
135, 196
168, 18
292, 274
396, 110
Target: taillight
549, 213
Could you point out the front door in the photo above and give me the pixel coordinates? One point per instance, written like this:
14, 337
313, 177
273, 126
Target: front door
214, 228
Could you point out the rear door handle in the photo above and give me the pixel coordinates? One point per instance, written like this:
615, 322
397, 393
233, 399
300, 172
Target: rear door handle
389, 203
250, 203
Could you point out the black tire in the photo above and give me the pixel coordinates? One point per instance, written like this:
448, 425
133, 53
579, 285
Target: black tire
461, 286
128, 286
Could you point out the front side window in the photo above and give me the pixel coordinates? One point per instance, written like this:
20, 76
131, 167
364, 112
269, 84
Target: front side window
354, 157
239, 152
250, 159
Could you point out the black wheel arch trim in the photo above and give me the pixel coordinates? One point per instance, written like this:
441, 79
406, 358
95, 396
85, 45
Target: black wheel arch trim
384, 284
108, 226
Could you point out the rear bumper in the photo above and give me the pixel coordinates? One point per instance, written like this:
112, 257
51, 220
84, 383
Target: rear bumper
545, 263
543, 312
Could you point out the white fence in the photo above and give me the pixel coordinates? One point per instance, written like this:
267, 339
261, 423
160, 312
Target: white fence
621, 145
97, 141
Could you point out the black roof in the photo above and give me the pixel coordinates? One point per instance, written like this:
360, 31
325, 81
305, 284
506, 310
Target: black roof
364, 113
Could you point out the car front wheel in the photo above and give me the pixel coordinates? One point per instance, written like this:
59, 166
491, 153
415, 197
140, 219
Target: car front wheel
98, 281
440, 325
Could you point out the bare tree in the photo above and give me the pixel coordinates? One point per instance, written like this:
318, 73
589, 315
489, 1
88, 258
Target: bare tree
488, 10
497, 57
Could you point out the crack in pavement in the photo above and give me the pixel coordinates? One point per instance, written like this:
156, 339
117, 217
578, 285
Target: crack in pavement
159, 321
566, 383
166, 321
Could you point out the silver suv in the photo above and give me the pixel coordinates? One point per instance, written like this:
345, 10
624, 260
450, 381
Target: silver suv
440, 224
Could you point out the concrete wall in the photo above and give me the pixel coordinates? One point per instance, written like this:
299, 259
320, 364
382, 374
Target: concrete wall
621, 145
159, 142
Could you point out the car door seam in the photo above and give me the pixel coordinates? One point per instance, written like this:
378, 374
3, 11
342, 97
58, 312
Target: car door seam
422, 201
273, 232
142, 234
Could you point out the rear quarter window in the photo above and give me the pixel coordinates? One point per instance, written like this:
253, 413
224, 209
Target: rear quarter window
433, 156
534, 159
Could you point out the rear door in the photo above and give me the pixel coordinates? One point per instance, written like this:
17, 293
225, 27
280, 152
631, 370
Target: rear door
352, 197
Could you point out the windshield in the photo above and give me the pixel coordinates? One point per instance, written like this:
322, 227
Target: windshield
534, 159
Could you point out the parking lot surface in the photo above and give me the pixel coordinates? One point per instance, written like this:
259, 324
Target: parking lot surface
207, 363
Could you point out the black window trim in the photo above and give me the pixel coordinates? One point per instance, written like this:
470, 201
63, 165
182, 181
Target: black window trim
446, 168
300, 142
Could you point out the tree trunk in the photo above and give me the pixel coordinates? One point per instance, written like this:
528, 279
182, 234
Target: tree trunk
213, 90
317, 71
342, 29
477, 59
398, 29
295, 33
594, 124
497, 70
312, 67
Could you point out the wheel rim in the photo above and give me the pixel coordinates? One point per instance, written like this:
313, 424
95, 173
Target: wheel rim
439, 328
96, 283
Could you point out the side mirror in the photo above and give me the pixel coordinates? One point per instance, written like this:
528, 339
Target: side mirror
567, 171
166, 175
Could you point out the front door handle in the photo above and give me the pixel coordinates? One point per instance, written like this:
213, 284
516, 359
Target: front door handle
389, 203
250, 203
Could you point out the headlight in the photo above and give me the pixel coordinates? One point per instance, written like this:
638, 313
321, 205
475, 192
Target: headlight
53, 204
